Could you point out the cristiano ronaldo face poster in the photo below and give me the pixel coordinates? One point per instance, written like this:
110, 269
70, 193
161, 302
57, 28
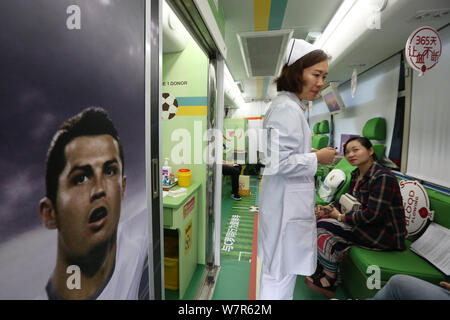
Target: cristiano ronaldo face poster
73, 220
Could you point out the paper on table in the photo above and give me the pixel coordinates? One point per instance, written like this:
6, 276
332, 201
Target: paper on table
177, 193
434, 245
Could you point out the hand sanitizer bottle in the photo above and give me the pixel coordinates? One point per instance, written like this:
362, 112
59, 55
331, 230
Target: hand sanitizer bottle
166, 171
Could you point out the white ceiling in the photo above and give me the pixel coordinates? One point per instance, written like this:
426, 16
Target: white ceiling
303, 16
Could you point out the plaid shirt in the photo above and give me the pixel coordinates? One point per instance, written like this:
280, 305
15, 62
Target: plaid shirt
380, 223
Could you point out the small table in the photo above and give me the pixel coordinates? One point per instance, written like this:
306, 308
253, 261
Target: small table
181, 214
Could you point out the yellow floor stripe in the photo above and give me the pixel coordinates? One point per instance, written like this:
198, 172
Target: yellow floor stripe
192, 111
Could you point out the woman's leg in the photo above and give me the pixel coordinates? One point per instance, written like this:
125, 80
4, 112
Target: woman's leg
403, 287
333, 240
235, 180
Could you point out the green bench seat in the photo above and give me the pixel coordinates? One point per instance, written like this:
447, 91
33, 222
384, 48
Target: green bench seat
355, 265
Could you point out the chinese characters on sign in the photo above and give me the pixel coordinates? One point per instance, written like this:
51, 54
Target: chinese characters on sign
423, 49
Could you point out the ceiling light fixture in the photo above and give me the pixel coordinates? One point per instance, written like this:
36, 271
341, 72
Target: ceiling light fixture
352, 19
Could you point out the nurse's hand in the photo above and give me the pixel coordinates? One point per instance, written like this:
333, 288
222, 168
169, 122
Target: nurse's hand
326, 155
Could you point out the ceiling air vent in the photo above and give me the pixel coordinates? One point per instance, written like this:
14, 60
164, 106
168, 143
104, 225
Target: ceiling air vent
264, 52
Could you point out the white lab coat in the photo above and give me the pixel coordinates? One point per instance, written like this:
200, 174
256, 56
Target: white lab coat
287, 234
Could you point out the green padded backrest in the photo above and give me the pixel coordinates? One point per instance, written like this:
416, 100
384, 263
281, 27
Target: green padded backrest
319, 142
378, 149
315, 142
375, 129
440, 204
316, 128
324, 127
323, 142
345, 166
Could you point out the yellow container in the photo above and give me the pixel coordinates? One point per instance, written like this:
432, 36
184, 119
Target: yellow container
171, 279
171, 263
184, 177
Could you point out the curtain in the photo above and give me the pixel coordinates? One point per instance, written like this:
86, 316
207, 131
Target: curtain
429, 139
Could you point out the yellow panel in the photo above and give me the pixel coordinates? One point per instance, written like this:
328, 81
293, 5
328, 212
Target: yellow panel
192, 111
259, 87
261, 9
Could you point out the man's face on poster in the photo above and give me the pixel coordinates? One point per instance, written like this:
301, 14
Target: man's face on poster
90, 191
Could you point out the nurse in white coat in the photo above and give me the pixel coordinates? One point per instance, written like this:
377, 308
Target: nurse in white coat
287, 227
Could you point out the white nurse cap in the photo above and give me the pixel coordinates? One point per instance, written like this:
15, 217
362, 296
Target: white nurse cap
296, 49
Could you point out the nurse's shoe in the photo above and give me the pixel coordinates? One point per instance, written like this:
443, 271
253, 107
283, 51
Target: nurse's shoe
236, 197
316, 285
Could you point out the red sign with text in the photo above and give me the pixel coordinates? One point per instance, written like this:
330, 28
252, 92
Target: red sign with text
423, 49
188, 207
416, 205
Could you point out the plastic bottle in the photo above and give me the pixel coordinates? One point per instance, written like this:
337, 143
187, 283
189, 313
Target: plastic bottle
166, 169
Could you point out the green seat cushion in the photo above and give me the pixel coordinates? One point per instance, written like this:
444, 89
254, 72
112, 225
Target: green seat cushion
324, 127
375, 129
395, 262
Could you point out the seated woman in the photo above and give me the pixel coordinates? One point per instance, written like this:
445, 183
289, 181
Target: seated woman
379, 224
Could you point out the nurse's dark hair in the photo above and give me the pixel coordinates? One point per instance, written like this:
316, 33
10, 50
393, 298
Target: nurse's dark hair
364, 142
90, 122
291, 78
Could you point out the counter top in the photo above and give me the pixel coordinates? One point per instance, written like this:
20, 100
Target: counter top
171, 202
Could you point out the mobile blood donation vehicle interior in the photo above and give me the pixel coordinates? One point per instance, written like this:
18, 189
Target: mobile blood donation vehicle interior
135, 137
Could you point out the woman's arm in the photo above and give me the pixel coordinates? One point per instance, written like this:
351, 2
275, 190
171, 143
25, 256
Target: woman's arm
381, 194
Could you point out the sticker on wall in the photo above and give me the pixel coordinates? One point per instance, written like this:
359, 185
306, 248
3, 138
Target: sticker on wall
169, 106
423, 49
416, 204
188, 237
188, 207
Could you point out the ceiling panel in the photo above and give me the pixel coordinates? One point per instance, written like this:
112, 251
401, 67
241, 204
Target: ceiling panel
303, 16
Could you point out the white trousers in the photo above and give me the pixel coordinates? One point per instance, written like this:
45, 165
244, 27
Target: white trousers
271, 288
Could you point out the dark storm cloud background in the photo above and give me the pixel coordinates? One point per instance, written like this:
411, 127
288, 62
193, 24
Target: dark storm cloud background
49, 73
